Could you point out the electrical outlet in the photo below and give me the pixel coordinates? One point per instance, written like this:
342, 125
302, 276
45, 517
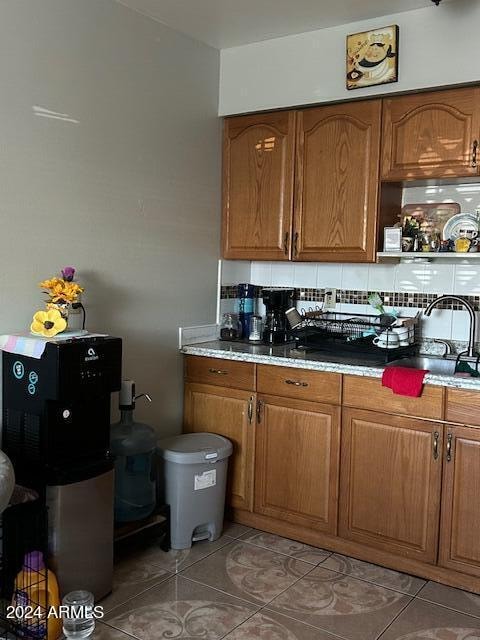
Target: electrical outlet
330, 299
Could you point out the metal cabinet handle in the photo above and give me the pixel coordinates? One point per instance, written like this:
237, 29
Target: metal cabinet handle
295, 245
219, 372
259, 411
474, 153
436, 437
285, 243
297, 383
250, 410
449, 447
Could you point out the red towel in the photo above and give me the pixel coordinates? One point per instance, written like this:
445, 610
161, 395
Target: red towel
404, 381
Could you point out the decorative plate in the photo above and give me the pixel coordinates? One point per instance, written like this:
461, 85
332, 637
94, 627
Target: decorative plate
468, 221
437, 214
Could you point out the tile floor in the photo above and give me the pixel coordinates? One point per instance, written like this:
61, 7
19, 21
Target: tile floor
253, 585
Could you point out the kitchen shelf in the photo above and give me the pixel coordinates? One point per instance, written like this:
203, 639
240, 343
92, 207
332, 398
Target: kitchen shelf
426, 256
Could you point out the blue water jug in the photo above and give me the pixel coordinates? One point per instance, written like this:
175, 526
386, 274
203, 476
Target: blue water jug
133, 444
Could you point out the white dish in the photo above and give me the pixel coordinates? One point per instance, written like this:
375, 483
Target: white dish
452, 228
384, 345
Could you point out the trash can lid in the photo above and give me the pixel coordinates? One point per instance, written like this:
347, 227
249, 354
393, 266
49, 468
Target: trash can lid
192, 448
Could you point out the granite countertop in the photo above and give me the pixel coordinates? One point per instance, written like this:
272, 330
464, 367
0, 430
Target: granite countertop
287, 356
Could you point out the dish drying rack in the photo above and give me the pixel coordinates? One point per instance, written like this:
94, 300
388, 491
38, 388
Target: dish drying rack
354, 333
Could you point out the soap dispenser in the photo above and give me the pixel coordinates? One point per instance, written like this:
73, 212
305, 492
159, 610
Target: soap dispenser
133, 445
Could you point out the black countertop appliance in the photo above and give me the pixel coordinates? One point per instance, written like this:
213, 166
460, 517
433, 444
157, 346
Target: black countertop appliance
56, 431
277, 328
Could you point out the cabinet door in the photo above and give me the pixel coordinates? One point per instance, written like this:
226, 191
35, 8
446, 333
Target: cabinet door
460, 524
431, 135
338, 151
258, 163
228, 412
390, 483
297, 462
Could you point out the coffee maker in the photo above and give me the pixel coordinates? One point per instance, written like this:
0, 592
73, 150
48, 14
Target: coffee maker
277, 301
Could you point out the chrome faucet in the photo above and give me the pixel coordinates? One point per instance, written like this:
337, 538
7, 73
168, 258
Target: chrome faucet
473, 321
448, 347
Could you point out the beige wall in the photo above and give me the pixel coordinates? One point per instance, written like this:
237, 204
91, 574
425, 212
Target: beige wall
438, 46
125, 186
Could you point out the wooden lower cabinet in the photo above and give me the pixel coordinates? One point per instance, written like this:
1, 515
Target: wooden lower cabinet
297, 462
230, 413
391, 482
399, 491
460, 523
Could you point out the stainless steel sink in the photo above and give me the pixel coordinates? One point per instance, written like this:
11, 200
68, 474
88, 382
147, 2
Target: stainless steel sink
436, 366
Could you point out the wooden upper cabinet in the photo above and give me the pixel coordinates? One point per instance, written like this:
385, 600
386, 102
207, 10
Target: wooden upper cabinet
431, 135
460, 524
338, 151
258, 165
391, 472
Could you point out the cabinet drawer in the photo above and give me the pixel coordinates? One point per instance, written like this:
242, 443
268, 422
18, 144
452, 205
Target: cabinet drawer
303, 384
368, 393
463, 406
225, 373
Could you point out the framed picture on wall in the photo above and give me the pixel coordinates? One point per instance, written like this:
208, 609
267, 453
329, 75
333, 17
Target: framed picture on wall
372, 57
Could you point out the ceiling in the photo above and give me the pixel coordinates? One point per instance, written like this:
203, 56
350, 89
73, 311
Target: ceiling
228, 23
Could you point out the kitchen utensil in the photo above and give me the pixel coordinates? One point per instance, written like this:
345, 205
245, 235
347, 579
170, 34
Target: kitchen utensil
401, 332
231, 329
407, 243
387, 340
255, 329
471, 234
294, 318
376, 302
462, 221
462, 245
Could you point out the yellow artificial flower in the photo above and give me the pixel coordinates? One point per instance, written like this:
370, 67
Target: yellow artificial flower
48, 323
49, 284
62, 291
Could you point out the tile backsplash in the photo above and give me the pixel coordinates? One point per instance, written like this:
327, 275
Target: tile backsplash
408, 287
462, 278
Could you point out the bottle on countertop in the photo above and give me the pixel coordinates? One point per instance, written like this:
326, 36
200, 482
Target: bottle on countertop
231, 328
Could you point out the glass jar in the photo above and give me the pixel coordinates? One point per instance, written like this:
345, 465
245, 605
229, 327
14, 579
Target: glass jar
255, 333
230, 329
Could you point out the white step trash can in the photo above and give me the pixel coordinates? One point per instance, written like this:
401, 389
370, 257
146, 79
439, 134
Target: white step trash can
194, 477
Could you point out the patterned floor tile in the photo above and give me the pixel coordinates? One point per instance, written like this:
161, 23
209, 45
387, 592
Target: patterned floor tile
134, 574
104, 632
457, 599
340, 604
425, 621
175, 560
249, 572
284, 545
180, 608
269, 625
234, 530
373, 573
138, 571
